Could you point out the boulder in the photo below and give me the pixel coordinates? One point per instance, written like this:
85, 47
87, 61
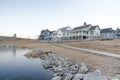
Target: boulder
96, 75
117, 77
37, 50
78, 76
59, 70
46, 64
57, 78
83, 68
68, 76
66, 69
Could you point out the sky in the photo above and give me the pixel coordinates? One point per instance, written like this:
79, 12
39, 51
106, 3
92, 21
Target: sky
27, 18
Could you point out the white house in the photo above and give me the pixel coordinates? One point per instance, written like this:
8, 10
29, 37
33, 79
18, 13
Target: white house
87, 31
61, 34
94, 32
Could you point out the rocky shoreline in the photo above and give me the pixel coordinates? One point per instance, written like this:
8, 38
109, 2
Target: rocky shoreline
66, 69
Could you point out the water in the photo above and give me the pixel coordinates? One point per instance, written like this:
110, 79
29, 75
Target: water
15, 66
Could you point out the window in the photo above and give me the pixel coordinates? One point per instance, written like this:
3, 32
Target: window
91, 32
67, 33
86, 32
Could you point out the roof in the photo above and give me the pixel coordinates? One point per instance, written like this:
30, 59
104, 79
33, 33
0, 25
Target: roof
43, 32
107, 30
118, 29
94, 27
64, 29
46, 30
82, 27
51, 32
118, 32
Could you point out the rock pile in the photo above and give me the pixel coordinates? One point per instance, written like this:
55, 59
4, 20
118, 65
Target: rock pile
66, 69
36, 53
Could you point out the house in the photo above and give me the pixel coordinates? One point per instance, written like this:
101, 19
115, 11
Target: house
108, 33
118, 33
61, 34
86, 31
45, 35
94, 32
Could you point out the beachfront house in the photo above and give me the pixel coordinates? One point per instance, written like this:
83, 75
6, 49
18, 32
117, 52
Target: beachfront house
108, 33
84, 32
45, 35
61, 34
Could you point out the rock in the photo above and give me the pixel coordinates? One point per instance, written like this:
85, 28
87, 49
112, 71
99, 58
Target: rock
44, 57
51, 55
66, 69
57, 78
74, 69
59, 70
96, 75
78, 76
46, 64
117, 77
68, 76
37, 50
59, 63
83, 68
54, 74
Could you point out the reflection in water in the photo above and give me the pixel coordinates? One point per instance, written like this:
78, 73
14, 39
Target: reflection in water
19, 67
14, 51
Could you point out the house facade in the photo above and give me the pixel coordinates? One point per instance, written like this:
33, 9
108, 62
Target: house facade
108, 33
84, 32
118, 33
45, 35
61, 34
87, 31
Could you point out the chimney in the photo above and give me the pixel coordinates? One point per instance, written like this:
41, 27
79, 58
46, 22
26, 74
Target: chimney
85, 23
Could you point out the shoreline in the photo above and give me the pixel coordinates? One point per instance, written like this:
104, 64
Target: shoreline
107, 65
66, 69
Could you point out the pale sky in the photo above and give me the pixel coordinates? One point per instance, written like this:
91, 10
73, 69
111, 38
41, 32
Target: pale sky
27, 18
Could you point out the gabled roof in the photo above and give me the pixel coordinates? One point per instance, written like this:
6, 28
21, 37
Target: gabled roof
51, 32
107, 30
94, 27
118, 32
44, 31
64, 29
118, 29
79, 27
82, 27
